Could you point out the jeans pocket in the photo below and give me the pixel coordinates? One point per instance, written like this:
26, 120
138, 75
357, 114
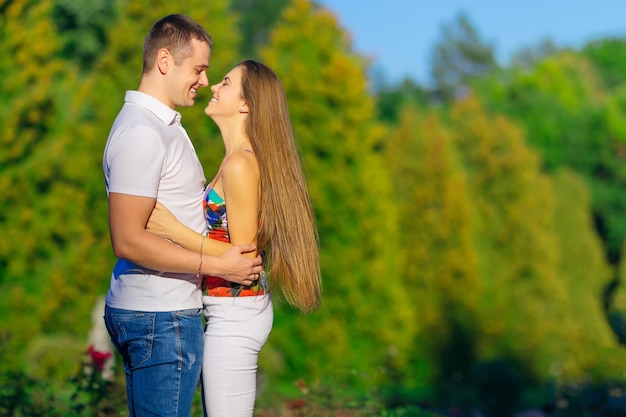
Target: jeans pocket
190, 313
135, 335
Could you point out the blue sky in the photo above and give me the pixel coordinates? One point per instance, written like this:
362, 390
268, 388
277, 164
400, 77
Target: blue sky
399, 35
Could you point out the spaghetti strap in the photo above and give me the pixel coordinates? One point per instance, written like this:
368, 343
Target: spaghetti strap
217, 177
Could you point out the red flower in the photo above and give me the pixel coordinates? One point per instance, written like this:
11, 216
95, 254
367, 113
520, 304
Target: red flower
98, 358
295, 404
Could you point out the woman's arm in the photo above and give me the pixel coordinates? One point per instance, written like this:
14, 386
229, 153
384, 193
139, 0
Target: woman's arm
240, 183
164, 224
240, 188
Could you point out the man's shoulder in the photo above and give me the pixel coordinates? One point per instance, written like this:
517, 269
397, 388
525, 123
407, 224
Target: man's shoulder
152, 105
132, 118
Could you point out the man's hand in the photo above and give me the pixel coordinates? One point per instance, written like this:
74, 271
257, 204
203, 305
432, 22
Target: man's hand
236, 267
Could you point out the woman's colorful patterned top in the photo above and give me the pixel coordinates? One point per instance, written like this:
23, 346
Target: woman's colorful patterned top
217, 228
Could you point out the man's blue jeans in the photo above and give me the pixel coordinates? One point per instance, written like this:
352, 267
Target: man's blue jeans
162, 354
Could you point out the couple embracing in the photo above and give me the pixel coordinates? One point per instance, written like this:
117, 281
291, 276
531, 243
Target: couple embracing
187, 250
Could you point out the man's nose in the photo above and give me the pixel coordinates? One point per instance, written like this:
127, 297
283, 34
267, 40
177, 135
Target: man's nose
204, 79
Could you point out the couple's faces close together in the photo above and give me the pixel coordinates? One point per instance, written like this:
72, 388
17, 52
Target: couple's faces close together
191, 75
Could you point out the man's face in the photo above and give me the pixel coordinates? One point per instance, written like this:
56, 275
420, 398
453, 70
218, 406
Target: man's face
185, 79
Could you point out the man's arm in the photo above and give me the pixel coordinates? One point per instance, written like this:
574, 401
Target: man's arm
128, 216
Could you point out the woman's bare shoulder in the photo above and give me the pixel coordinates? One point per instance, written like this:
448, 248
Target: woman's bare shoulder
241, 164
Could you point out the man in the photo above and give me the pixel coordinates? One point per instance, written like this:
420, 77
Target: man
154, 302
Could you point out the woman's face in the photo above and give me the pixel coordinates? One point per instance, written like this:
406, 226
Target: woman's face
227, 96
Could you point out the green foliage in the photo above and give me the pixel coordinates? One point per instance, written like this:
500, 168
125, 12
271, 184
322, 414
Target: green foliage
29, 68
257, 18
85, 394
391, 100
407, 411
555, 103
530, 56
517, 258
607, 56
55, 244
334, 126
460, 56
440, 264
462, 247
328, 398
616, 305
83, 25
486, 257
616, 119
583, 262
23, 396
41, 233
489, 257
573, 121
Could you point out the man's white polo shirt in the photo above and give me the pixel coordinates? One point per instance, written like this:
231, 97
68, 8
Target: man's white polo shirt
148, 153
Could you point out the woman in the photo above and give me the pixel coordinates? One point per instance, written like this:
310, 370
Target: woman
259, 196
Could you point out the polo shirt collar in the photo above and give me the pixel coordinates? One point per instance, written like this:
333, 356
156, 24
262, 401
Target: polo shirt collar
168, 115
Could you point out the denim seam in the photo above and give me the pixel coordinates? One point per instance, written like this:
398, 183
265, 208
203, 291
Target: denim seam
180, 350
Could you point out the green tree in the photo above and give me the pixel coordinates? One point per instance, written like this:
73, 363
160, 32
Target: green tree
529, 56
573, 121
256, 20
29, 71
607, 56
37, 232
555, 102
392, 100
55, 246
616, 307
458, 57
518, 255
591, 345
82, 25
439, 260
333, 117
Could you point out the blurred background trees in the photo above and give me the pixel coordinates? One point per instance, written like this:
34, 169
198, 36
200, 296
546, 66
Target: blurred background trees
472, 231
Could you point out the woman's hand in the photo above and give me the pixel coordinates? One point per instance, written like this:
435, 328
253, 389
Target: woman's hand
163, 223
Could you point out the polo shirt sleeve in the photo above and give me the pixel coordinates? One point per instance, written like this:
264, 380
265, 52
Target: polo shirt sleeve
136, 162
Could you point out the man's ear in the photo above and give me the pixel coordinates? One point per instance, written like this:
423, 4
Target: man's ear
164, 60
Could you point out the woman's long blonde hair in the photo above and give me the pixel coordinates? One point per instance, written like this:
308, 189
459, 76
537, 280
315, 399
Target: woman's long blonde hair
287, 230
